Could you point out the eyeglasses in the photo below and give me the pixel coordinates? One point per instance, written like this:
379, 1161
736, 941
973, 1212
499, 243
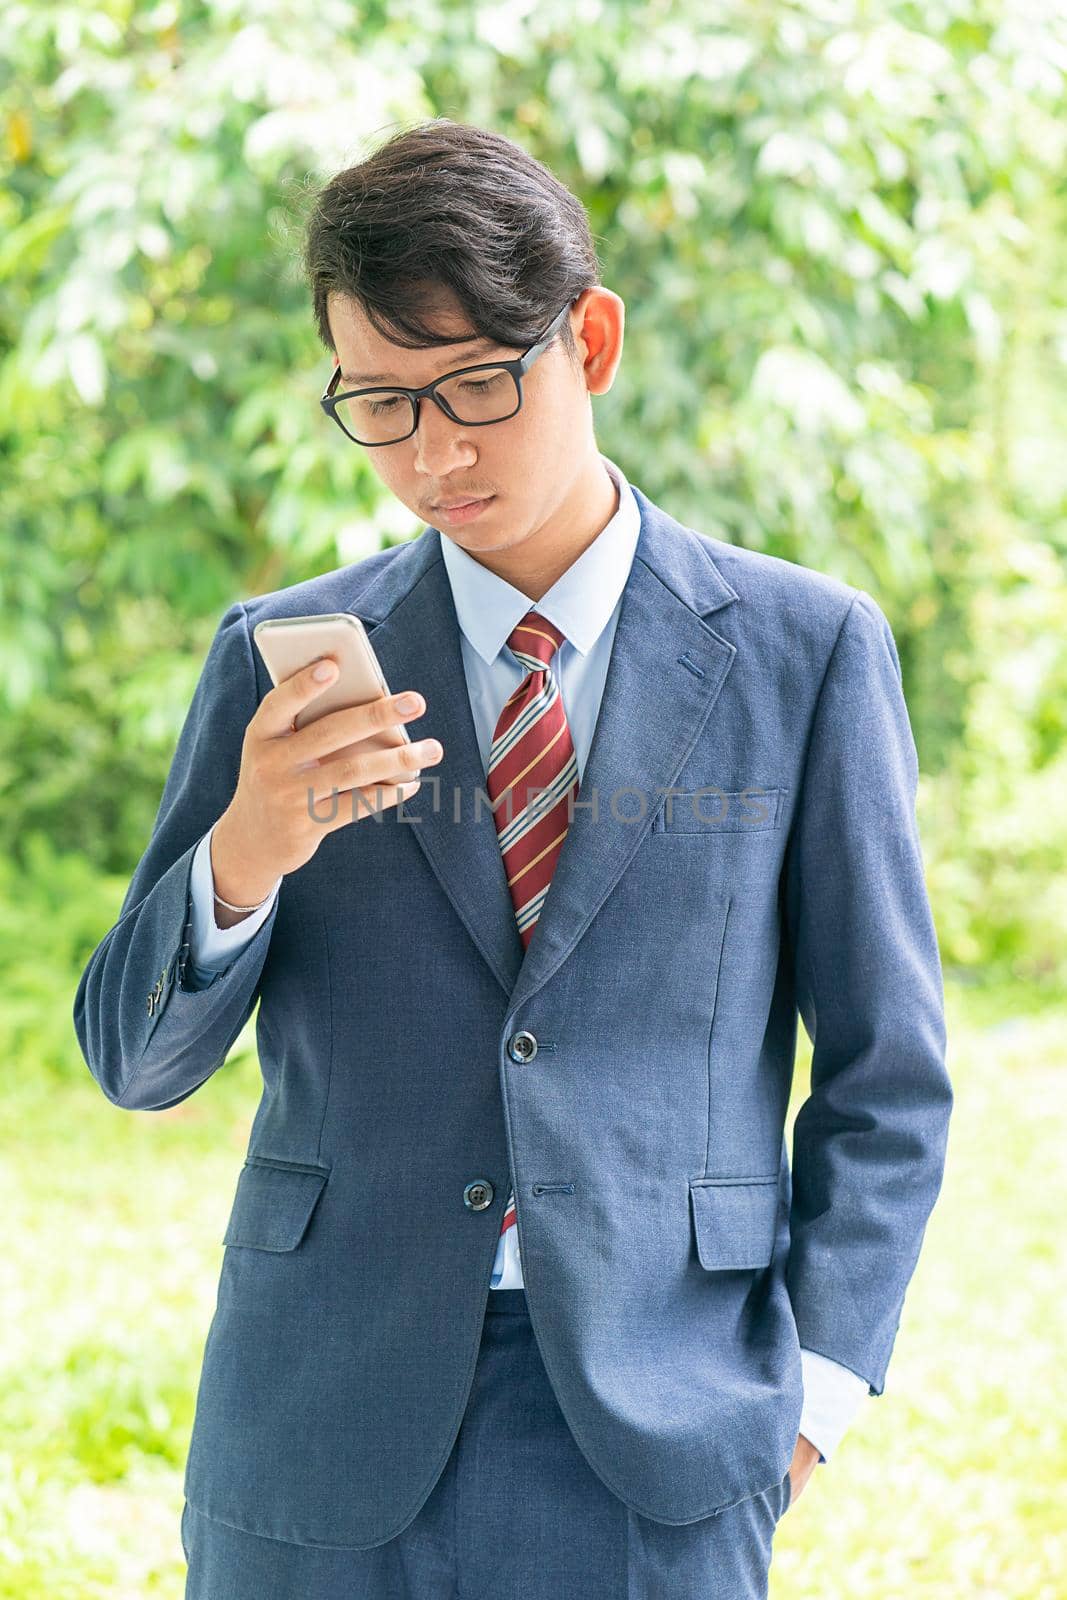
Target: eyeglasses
375, 417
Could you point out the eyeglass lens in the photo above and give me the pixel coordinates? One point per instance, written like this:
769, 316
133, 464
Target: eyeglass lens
383, 416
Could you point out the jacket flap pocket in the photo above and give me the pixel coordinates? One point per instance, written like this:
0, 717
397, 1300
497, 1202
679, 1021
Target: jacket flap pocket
735, 1220
273, 1204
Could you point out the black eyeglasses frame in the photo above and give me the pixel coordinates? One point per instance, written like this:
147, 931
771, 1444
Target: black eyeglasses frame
518, 368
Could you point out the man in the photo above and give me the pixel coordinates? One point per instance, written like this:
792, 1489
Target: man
529, 1023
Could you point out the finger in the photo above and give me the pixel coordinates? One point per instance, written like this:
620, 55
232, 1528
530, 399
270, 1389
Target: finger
278, 708
350, 724
375, 767
355, 805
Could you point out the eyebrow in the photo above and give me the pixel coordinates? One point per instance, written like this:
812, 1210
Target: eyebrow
476, 345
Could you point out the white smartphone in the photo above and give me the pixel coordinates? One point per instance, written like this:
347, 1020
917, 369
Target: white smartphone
288, 644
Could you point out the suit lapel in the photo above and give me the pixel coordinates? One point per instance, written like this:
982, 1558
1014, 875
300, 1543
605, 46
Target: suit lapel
418, 645
666, 669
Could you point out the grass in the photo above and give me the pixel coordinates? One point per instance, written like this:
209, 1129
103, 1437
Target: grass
947, 1484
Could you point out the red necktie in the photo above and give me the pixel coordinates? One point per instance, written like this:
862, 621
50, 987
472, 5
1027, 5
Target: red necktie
531, 752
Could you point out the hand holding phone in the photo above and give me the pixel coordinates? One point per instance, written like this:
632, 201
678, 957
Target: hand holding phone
307, 741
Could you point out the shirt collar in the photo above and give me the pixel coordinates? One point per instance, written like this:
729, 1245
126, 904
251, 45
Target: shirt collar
581, 600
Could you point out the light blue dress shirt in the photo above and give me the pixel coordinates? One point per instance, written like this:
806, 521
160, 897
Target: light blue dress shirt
584, 603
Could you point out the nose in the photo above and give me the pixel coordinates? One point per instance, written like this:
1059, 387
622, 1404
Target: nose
439, 443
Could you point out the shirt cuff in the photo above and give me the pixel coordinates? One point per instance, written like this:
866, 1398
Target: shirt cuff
832, 1396
212, 948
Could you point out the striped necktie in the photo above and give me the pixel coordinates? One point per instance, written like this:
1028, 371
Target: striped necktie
532, 781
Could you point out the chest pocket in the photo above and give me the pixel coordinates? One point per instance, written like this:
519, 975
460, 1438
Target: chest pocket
714, 810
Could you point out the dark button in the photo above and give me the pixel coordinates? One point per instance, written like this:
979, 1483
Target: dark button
522, 1046
478, 1195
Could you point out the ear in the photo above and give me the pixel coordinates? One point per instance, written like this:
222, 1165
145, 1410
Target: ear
599, 318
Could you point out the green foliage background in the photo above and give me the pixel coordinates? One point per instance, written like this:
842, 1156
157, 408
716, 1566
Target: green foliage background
839, 233
838, 228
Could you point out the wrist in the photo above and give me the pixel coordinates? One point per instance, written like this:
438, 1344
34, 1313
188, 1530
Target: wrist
235, 877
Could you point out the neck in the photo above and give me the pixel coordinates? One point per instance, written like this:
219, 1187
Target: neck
535, 563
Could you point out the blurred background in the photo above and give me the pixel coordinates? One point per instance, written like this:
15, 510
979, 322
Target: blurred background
839, 231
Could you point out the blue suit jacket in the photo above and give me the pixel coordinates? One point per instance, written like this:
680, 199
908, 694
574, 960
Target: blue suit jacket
673, 1262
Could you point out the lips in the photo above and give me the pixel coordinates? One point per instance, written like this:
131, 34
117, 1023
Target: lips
457, 515
456, 505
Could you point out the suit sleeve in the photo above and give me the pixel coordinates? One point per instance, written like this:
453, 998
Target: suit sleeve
869, 1142
150, 1036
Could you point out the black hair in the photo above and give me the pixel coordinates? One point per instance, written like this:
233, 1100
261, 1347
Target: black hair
441, 206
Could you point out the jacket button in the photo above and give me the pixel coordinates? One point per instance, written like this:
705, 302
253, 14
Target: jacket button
522, 1046
478, 1195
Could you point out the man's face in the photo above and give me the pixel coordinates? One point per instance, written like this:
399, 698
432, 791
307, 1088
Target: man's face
527, 463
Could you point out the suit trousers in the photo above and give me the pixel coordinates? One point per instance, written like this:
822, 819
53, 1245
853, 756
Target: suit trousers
517, 1513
